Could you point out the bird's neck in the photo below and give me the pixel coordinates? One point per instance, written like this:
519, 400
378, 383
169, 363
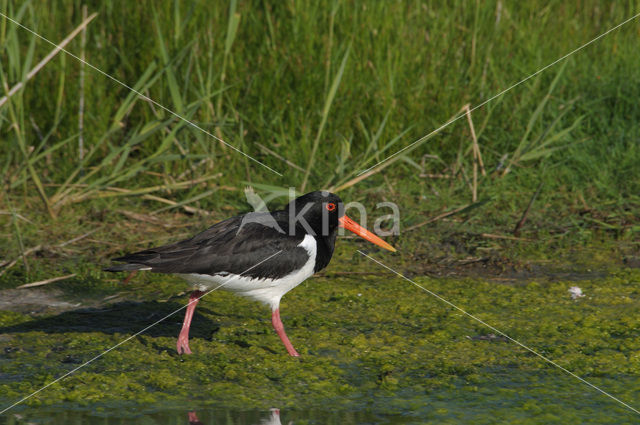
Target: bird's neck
325, 245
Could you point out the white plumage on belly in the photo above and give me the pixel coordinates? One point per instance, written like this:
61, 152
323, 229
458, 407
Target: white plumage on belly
268, 291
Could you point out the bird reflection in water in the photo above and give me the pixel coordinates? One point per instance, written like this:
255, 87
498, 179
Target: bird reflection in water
274, 418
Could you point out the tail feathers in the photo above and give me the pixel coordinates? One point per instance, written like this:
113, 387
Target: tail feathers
129, 267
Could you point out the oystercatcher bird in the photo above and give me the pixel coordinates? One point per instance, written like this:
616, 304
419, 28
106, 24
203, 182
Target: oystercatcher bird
259, 255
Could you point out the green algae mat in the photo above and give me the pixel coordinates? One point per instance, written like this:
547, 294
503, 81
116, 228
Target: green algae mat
375, 349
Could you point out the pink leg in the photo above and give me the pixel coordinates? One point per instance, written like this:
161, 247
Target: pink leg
128, 278
277, 325
183, 338
193, 419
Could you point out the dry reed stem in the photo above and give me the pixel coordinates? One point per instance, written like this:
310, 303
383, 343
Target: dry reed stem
511, 238
21, 217
436, 218
191, 210
8, 264
83, 43
360, 177
435, 176
45, 282
280, 157
516, 230
167, 131
47, 58
477, 157
476, 146
381, 165
109, 191
145, 218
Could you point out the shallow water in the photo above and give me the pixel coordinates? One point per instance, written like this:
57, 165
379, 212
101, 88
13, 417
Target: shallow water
509, 397
373, 352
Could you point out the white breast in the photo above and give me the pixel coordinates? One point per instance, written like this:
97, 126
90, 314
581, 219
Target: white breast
268, 291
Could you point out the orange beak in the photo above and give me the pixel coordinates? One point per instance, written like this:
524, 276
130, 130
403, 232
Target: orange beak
351, 225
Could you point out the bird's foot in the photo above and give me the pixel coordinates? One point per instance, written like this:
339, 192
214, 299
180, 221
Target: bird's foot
183, 344
293, 352
193, 419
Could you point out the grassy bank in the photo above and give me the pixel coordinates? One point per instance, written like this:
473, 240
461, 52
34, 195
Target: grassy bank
332, 88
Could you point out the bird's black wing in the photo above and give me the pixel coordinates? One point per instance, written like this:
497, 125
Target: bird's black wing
255, 248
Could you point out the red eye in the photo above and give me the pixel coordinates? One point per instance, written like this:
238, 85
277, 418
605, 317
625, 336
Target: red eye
331, 206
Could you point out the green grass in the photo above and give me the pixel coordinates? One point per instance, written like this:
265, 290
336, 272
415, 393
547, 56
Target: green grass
278, 74
334, 88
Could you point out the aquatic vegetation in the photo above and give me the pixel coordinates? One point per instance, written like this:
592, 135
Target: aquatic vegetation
362, 336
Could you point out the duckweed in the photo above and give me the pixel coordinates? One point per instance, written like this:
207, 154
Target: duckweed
359, 338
